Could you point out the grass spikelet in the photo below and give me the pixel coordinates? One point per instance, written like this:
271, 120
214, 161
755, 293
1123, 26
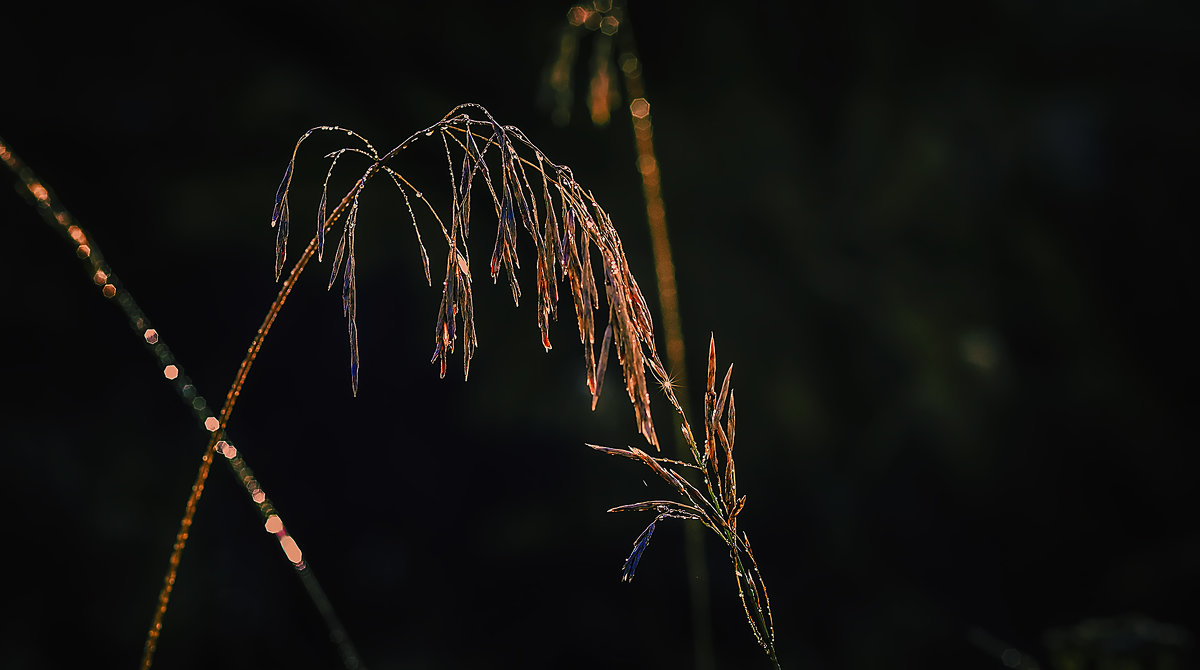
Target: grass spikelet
279, 218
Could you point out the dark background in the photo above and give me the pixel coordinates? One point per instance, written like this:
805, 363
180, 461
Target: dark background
947, 249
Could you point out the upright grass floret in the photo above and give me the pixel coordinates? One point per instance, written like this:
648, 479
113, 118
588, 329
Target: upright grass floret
716, 506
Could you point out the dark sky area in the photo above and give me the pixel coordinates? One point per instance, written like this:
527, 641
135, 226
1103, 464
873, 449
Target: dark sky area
946, 248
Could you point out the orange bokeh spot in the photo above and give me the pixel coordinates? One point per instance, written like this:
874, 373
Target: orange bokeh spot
577, 15
211, 424
274, 524
170, 372
291, 549
639, 108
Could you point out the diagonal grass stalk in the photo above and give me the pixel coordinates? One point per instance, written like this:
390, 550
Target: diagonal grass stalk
112, 288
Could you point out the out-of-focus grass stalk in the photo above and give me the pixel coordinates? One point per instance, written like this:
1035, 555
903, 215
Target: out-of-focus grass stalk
668, 298
668, 293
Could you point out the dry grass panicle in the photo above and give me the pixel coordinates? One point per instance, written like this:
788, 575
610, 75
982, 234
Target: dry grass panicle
570, 232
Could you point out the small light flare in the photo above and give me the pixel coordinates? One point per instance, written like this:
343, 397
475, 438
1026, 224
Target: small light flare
291, 549
108, 291
83, 251
39, 192
639, 108
211, 425
76, 234
274, 524
151, 336
577, 15
170, 372
609, 25
258, 496
227, 450
100, 277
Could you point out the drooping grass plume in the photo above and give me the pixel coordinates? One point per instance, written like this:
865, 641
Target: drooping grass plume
716, 504
111, 288
529, 194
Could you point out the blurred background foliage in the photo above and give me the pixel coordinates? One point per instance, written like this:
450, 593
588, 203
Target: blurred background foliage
946, 247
